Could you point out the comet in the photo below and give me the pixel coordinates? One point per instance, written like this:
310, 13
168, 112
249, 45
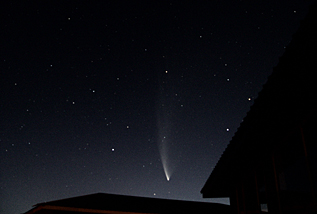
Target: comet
164, 158
165, 109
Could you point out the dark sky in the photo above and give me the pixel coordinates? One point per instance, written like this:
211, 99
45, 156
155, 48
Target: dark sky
118, 96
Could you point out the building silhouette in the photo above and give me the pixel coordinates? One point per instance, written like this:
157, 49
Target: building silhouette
270, 164
120, 204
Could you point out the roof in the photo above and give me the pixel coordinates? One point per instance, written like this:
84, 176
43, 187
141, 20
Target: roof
286, 100
102, 203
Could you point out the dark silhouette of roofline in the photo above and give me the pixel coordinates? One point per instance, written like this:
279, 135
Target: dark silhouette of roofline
286, 102
104, 203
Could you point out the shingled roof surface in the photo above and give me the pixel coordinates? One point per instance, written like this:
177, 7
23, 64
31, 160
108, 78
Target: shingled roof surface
288, 97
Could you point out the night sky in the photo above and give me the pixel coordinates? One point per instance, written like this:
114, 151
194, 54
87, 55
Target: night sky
128, 97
